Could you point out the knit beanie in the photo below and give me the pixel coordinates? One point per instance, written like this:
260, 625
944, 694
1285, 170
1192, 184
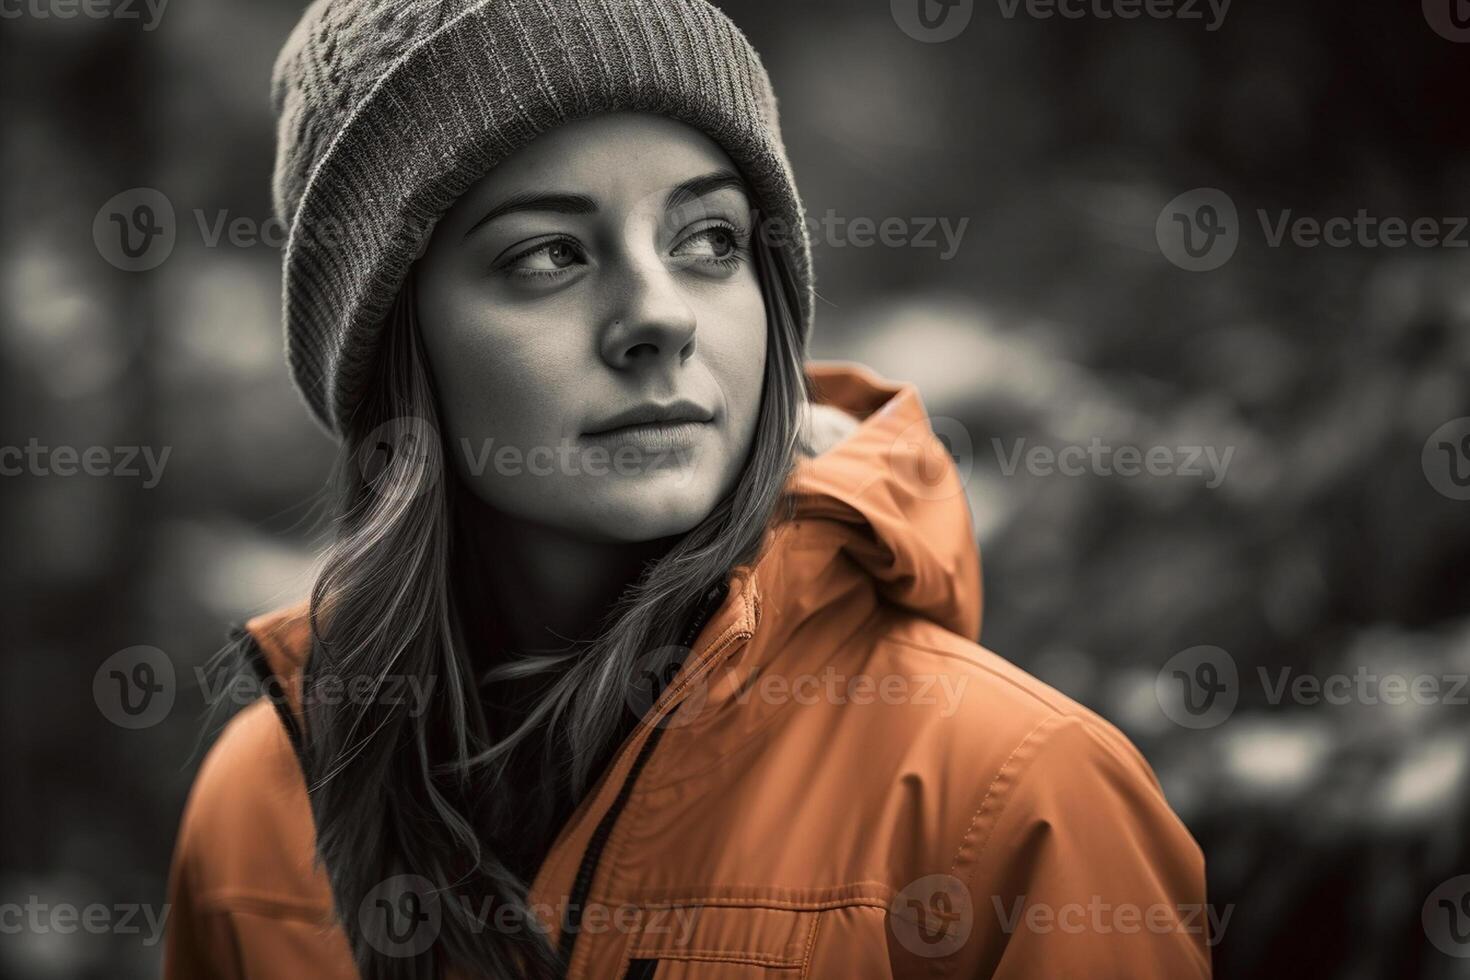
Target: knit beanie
388, 110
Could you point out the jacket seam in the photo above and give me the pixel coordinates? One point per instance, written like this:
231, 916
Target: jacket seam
941, 968
772, 905
989, 792
1057, 711
811, 944
266, 906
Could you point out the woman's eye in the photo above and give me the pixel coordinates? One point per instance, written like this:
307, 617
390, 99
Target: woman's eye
719, 243
548, 258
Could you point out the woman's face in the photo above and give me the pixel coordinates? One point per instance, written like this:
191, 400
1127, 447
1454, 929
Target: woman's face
601, 274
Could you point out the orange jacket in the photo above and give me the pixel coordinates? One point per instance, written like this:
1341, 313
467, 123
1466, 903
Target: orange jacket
851, 787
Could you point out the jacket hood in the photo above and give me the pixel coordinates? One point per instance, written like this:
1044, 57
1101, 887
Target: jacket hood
880, 516
890, 499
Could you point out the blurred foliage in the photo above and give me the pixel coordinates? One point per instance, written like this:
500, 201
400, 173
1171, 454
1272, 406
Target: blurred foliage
1325, 550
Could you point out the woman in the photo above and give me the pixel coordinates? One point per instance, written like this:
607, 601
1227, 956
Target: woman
643, 647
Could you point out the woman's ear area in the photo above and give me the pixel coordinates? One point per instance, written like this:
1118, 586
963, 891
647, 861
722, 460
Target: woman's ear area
824, 426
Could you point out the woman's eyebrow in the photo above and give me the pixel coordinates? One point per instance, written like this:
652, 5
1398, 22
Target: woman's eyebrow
697, 187
689, 190
528, 201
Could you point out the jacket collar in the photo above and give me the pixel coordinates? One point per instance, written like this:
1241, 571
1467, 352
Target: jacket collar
883, 509
881, 516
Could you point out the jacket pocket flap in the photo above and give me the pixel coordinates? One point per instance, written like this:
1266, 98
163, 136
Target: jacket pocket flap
726, 934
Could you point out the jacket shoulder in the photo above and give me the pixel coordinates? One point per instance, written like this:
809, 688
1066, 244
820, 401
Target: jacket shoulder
992, 700
1046, 804
249, 801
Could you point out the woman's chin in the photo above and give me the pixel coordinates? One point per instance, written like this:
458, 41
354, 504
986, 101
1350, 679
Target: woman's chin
653, 506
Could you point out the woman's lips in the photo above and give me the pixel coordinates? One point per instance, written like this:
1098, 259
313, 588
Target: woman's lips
657, 437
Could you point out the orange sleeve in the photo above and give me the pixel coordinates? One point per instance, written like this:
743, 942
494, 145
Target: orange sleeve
1075, 866
199, 941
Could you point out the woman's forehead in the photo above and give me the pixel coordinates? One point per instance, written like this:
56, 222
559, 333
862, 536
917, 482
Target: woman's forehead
614, 158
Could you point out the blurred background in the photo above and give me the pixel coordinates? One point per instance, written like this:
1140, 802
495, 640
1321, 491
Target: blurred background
1311, 520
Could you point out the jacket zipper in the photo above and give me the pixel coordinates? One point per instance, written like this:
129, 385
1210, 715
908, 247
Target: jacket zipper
572, 919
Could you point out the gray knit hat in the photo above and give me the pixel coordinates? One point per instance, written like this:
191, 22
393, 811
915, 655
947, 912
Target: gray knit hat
388, 110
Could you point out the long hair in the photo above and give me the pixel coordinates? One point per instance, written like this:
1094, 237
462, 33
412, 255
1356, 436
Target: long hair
437, 806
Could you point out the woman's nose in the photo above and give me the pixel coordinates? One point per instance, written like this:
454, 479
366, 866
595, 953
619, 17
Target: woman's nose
648, 319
